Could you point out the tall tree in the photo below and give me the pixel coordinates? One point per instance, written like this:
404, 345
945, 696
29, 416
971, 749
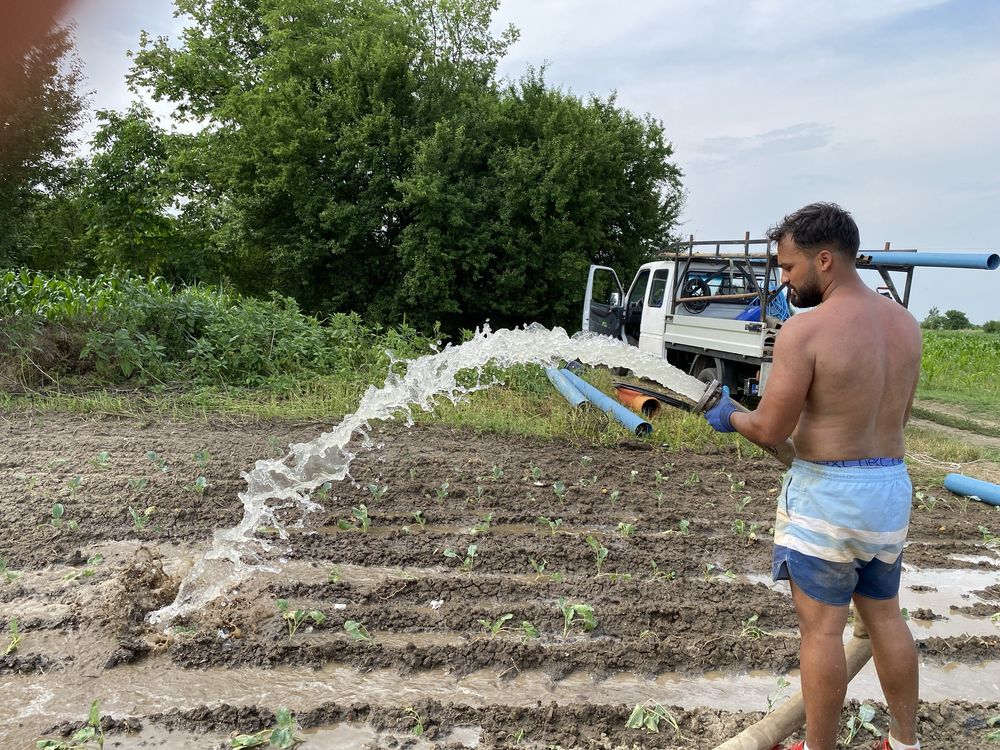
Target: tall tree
40, 108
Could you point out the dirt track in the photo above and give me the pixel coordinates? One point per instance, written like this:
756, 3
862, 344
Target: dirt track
673, 603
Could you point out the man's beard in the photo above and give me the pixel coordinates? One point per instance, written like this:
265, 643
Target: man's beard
807, 295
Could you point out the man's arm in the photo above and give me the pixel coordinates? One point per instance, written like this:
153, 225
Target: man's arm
785, 393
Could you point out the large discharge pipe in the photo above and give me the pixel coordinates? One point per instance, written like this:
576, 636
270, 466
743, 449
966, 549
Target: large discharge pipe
905, 258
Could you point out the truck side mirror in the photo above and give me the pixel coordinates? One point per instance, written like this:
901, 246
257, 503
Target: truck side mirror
615, 300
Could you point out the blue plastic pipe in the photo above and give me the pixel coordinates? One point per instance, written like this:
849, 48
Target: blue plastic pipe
628, 419
569, 391
983, 261
963, 485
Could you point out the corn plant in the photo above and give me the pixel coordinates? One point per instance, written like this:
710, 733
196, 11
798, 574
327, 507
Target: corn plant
493, 627
13, 638
202, 458
88, 737
577, 613
470, 557
198, 486
861, 720
281, 735
418, 723
600, 552
295, 617
357, 631
648, 716
377, 490
139, 520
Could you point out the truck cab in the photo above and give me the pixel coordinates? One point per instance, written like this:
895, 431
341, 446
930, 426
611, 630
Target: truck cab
709, 309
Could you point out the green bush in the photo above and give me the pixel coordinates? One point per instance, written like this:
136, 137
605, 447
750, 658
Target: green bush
991, 326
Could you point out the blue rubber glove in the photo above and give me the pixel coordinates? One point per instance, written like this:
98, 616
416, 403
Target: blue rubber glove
719, 415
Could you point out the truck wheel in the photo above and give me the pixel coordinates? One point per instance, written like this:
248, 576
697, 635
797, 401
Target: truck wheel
708, 374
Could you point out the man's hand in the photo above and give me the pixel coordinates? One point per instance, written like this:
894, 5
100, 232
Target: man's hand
719, 415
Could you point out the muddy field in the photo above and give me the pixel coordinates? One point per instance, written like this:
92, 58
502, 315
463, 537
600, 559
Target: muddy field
539, 639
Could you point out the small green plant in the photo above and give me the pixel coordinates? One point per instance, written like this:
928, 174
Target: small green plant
993, 721
138, 484
990, 539
6, 575
497, 473
534, 473
586, 460
73, 484
632, 475
467, 562
90, 570
626, 529
743, 503
861, 720
744, 530
335, 574
559, 488
553, 525
357, 631
418, 516
577, 613
693, 479
377, 490
281, 735
493, 627
615, 494
295, 617
202, 458
274, 447
750, 630
925, 501
323, 491
483, 526
103, 460
539, 567
91, 735
528, 630
660, 575
684, 526
56, 514
480, 493
418, 723
659, 500
139, 520
600, 552
198, 486
441, 491
658, 476
159, 463
361, 519
648, 716
14, 638
772, 700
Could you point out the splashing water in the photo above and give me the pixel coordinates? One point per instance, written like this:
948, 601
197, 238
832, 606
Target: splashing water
276, 485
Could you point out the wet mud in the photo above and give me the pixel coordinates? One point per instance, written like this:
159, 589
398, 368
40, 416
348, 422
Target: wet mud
501, 592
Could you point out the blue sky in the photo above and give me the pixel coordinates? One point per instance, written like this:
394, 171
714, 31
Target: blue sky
889, 108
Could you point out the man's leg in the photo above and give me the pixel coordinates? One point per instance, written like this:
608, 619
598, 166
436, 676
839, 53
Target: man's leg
823, 667
895, 659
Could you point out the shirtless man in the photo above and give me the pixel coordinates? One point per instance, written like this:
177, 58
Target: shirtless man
841, 386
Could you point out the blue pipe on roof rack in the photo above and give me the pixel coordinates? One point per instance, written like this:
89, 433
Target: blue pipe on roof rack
982, 261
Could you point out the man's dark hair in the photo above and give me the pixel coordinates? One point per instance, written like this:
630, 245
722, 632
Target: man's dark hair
819, 225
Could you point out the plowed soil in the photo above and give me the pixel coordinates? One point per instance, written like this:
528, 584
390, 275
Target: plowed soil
683, 592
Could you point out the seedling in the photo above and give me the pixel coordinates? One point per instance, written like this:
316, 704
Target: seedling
559, 488
539, 567
648, 716
6, 576
993, 736
198, 486
495, 626
684, 526
295, 617
31, 482
13, 638
441, 492
533, 472
87, 737
600, 552
138, 484
587, 481
274, 446
357, 631
632, 476
281, 735
103, 460
660, 575
202, 458
418, 723
56, 515
361, 519
335, 574
615, 494
483, 526
861, 720
745, 531
750, 630
989, 538
743, 502
73, 484
693, 479
586, 460
470, 557
323, 491
659, 500
626, 529
158, 462
577, 613
87, 572
553, 525
497, 473
413, 472
772, 700
658, 476
480, 493
141, 519
418, 516
529, 630
377, 490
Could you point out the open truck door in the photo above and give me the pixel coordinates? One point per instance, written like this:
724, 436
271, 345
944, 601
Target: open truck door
602, 305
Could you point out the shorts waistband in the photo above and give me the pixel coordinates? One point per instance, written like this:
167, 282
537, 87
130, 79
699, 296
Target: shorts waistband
860, 463
843, 471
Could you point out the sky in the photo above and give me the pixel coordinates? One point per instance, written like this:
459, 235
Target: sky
889, 108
